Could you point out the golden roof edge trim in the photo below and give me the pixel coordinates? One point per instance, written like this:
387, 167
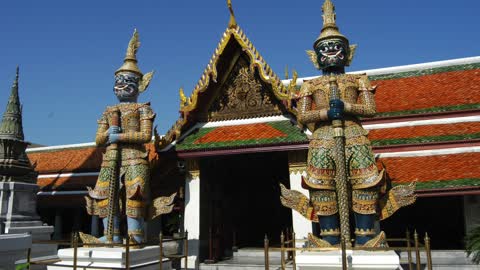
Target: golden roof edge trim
282, 92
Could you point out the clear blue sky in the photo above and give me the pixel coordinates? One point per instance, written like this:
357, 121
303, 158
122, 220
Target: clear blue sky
69, 50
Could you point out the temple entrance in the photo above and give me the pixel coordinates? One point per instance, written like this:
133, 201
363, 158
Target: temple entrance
239, 202
441, 217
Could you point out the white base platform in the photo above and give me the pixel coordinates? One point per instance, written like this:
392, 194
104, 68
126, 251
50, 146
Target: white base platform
146, 258
385, 260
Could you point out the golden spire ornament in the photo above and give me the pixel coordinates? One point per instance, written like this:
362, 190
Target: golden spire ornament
130, 62
330, 28
232, 23
330, 31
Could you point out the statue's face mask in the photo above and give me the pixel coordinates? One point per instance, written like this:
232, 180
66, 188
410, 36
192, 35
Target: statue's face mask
126, 86
332, 53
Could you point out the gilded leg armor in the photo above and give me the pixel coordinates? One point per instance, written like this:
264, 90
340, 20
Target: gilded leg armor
97, 201
135, 188
325, 206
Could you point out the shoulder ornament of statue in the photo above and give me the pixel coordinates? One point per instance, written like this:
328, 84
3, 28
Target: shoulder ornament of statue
309, 87
364, 84
305, 90
146, 111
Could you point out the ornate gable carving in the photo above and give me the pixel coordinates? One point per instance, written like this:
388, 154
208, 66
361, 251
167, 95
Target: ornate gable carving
243, 95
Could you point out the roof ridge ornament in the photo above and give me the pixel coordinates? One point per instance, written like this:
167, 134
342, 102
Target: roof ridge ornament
232, 23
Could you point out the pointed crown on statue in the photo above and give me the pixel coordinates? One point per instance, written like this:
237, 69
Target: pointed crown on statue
130, 62
330, 28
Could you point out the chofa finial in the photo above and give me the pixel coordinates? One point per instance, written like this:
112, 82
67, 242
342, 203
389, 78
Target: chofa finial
232, 23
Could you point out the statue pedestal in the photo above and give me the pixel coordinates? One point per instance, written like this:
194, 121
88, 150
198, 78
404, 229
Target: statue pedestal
18, 215
12, 248
358, 259
146, 258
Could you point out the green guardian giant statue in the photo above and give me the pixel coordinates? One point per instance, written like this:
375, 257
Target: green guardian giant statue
342, 175
122, 185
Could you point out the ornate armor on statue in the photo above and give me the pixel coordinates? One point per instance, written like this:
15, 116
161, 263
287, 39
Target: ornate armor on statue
361, 169
136, 125
341, 172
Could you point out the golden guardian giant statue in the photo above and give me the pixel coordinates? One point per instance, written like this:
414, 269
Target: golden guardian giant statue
122, 185
342, 175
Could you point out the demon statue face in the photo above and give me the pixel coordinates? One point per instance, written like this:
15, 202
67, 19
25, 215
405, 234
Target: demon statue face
126, 86
332, 53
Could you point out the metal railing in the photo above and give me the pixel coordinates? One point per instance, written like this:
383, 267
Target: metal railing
412, 246
183, 255
74, 243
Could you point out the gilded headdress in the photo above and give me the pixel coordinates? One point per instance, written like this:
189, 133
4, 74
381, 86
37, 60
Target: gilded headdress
330, 28
130, 62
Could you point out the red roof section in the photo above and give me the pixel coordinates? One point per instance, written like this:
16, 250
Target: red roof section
241, 132
433, 168
86, 159
67, 160
441, 89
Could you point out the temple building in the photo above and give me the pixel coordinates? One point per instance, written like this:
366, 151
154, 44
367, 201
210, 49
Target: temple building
237, 140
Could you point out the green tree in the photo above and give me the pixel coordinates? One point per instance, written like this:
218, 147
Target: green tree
473, 245
22, 266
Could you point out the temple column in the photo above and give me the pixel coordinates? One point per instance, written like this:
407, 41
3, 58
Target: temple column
297, 165
192, 212
57, 233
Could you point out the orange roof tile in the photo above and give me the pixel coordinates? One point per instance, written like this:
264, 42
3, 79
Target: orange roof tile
67, 160
441, 89
241, 132
74, 159
433, 168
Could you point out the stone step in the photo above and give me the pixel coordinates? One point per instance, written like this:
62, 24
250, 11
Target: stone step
255, 252
247, 259
244, 263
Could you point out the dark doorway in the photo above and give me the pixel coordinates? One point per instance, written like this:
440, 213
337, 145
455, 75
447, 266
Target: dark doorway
441, 217
240, 201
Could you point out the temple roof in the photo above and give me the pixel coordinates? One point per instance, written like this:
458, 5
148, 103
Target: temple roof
68, 167
436, 171
232, 48
269, 133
